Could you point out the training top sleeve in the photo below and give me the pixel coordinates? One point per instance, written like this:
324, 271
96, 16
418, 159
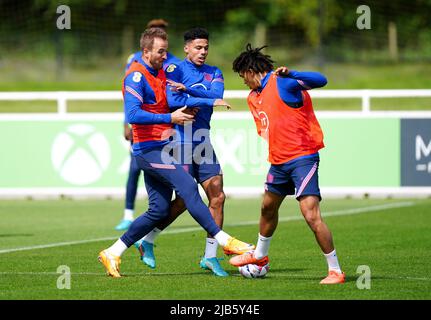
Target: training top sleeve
290, 87
296, 80
215, 91
179, 99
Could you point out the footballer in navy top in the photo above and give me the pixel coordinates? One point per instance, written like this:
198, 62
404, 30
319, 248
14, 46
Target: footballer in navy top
204, 84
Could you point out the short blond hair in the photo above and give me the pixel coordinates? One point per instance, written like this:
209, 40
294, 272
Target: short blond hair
148, 36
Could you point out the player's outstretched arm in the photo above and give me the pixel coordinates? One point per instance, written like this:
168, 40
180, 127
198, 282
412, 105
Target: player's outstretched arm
222, 103
178, 94
180, 99
175, 86
292, 80
214, 91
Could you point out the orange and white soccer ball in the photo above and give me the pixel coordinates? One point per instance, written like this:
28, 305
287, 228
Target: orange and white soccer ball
253, 271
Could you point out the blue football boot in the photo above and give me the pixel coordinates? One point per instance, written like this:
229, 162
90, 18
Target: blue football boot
123, 225
146, 251
213, 265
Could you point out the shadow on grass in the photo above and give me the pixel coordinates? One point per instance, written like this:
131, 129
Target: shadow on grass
12, 235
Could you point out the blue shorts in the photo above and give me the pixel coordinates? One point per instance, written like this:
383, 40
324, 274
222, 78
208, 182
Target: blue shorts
200, 161
300, 174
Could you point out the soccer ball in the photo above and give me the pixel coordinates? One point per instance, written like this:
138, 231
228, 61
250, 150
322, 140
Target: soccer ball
254, 271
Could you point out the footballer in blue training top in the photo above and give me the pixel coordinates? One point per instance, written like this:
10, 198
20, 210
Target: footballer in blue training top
194, 84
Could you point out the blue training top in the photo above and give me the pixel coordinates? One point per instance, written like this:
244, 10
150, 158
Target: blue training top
204, 84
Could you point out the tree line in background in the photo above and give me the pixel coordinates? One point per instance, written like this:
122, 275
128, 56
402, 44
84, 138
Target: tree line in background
318, 30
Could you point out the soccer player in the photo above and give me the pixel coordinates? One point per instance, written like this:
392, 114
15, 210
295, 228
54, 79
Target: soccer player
195, 84
145, 103
155, 23
134, 171
284, 116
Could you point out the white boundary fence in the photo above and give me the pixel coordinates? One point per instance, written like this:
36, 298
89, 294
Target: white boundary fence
62, 97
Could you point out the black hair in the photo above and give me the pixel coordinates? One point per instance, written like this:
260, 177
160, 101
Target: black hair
253, 59
196, 33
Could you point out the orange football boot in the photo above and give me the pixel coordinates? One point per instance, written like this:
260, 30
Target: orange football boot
334, 278
111, 263
248, 258
235, 246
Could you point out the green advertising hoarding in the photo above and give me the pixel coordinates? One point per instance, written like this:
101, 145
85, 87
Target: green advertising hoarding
75, 152
360, 152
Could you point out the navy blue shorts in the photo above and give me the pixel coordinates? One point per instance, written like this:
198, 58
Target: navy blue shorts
200, 161
297, 177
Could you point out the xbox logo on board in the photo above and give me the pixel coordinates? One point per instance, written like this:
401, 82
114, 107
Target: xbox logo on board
81, 154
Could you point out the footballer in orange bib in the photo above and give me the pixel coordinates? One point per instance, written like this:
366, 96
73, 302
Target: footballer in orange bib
284, 116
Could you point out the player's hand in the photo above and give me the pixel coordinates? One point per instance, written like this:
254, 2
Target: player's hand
128, 135
175, 86
191, 111
180, 116
221, 103
281, 71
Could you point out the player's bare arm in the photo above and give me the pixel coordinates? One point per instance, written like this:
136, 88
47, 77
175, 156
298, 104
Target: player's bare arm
222, 103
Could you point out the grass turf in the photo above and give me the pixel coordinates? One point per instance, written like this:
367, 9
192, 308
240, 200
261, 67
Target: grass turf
394, 243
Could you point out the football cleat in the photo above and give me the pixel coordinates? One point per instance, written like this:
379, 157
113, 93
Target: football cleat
213, 265
334, 278
248, 258
111, 263
123, 225
146, 252
235, 246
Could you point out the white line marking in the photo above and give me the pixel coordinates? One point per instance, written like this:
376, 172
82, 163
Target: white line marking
345, 212
385, 278
29, 273
101, 274
245, 223
58, 244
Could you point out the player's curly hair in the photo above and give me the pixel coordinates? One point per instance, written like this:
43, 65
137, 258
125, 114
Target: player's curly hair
196, 33
253, 59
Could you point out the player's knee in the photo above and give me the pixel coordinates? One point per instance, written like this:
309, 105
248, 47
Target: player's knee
160, 210
268, 209
178, 206
217, 201
313, 219
155, 215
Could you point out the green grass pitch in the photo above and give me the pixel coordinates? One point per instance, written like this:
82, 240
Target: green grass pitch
391, 237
